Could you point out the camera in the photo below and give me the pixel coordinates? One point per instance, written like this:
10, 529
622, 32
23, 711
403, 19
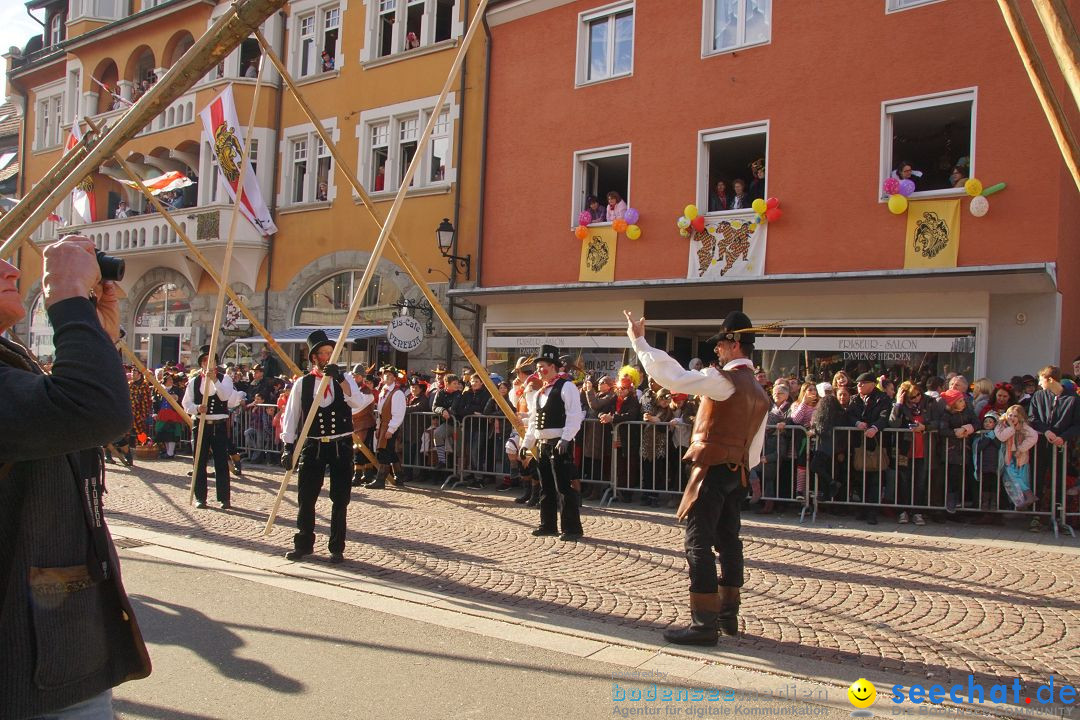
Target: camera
112, 268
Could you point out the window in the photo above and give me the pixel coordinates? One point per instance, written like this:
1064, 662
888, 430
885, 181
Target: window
733, 163
894, 5
401, 25
215, 176
606, 43
391, 145
597, 173
50, 114
317, 34
328, 302
732, 24
935, 135
56, 29
253, 155
310, 169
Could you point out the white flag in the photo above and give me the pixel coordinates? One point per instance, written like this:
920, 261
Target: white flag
82, 197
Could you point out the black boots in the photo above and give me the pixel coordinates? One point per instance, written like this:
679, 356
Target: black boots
534, 497
704, 615
727, 620
379, 483
526, 492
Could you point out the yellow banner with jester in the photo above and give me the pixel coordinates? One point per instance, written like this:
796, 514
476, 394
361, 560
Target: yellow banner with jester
598, 256
933, 234
728, 248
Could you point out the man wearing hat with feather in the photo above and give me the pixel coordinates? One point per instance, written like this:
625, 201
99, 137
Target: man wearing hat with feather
329, 445
222, 397
729, 431
555, 416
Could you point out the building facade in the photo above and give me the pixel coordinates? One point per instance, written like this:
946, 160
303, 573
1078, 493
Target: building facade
370, 69
815, 105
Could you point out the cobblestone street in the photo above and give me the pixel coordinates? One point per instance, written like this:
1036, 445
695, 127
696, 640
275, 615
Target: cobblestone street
941, 601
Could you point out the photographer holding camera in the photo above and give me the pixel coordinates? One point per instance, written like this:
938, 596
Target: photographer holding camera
68, 631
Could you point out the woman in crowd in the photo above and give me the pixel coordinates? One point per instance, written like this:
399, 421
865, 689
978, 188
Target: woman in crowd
777, 468
625, 409
911, 412
956, 427
1004, 397
982, 391
597, 399
828, 460
655, 410
802, 412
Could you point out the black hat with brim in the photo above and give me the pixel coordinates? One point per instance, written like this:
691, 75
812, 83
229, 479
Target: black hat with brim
316, 340
733, 323
549, 353
204, 352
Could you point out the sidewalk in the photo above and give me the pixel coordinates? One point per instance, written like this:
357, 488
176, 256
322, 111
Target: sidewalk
937, 603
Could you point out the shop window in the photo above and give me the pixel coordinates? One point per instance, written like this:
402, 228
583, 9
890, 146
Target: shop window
598, 173
933, 135
734, 167
392, 142
606, 43
894, 5
402, 25
733, 24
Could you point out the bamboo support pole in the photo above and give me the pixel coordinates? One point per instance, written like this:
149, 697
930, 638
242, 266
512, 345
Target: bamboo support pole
232, 28
219, 308
1064, 41
385, 229
1055, 115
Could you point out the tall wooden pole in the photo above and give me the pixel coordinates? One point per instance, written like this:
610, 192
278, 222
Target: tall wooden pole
1064, 41
1070, 149
232, 28
18, 214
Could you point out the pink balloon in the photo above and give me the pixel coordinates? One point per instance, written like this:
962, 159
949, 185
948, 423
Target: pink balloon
584, 218
891, 186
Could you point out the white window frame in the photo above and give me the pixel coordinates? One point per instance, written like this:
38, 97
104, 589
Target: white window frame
892, 6
888, 107
760, 127
708, 29
56, 29
48, 125
395, 116
308, 8
581, 63
373, 13
578, 184
315, 151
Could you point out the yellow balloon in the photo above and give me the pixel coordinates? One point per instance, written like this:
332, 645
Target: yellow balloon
760, 206
973, 187
633, 232
897, 204
684, 232
690, 211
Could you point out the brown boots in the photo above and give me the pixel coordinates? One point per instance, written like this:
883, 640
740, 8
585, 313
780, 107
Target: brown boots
710, 615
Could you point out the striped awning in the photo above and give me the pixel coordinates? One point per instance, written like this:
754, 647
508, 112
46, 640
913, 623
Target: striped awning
298, 334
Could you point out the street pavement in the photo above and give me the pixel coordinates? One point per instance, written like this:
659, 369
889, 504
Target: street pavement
832, 600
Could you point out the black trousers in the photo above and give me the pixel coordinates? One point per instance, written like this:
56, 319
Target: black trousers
556, 472
216, 441
315, 459
714, 522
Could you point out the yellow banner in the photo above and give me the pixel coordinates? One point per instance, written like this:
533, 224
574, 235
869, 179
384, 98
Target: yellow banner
933, 234
598, 256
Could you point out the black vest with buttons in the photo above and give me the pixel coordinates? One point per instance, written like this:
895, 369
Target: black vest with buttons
553, 413
215, 405
335, 418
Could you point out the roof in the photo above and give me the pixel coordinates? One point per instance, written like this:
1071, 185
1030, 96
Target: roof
10, 120
298, 334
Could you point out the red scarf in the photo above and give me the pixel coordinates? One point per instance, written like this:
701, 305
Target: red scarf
318, 376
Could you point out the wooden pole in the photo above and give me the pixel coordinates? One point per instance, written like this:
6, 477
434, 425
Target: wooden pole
1064, 41
219, 308
1055, 115
232, 28
15, 217
385, 230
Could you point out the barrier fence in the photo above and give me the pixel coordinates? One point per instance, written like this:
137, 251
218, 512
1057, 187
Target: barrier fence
908, 470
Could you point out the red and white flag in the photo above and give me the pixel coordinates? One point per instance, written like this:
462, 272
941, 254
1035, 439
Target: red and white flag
82, 197
225, 134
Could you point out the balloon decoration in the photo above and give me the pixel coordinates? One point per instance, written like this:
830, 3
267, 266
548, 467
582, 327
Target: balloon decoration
585, 217
619, 225
899, 190
632, 216
766, 210
891, 186
898, 204
581, 232
633, 232
907, 187
979, 206
626, 224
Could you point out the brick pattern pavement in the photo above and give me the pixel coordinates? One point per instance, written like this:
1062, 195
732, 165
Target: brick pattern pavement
915, 605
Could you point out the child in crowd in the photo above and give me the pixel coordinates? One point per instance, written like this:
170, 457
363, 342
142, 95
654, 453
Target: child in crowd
985, 450
1018, 438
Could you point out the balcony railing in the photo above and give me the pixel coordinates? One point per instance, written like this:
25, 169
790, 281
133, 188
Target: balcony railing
152, 233
180, 112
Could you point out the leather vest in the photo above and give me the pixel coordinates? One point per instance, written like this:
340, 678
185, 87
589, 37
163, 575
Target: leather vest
386, 404
365, 419
214, 405
724, 430
335, 418
553, 412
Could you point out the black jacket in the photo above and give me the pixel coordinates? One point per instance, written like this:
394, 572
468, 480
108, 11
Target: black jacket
1056, 413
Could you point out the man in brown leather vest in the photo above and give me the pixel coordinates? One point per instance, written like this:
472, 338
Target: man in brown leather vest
728, 434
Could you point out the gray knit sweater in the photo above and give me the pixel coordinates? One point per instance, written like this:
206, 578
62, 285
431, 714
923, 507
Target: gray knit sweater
65, 639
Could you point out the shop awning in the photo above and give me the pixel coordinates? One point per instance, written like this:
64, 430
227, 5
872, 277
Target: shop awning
298, 334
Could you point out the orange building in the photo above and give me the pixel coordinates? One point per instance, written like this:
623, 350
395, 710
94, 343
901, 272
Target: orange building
815, 104
370, 69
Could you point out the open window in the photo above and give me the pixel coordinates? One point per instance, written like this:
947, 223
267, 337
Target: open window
398, 26
598, 173
932, 136
734, 163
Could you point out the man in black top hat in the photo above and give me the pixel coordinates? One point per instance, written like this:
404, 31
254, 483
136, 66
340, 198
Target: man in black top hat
729, 432
222, 396
329, 445
554, 419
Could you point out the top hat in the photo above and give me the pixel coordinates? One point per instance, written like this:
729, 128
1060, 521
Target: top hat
204, 352
549, 353
316, 340
523, 362
734, 323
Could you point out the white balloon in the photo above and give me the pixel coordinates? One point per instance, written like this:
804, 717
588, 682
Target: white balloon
979, 206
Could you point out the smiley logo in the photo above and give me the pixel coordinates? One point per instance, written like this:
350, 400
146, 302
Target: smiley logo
862, 693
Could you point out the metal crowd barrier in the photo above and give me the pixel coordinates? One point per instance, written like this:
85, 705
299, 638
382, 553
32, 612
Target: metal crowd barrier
431, 447
784, 474
253, 431
596, 471
646, 460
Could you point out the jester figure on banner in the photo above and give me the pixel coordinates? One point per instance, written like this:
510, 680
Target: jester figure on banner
223, 131
731, 247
